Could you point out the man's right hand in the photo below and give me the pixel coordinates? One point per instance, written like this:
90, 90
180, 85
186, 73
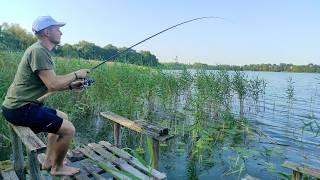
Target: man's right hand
82, 73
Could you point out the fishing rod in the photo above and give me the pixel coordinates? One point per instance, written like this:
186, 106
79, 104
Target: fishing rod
126, 50
88, 82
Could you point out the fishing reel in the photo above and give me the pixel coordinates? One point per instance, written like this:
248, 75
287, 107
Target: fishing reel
86, 83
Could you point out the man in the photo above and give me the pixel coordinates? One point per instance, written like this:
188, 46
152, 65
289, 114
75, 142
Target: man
34, 78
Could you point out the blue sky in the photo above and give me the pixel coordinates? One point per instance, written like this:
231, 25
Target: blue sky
254, 32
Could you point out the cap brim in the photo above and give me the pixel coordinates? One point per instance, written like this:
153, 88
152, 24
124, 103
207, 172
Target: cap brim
60, 24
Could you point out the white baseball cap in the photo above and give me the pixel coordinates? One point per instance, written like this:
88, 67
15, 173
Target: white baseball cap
43, 22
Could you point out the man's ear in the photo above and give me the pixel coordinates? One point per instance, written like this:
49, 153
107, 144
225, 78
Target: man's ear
46, 32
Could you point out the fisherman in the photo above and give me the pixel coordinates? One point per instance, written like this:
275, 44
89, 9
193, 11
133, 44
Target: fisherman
34, 78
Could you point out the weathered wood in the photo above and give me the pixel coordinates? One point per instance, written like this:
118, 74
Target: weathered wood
34, 166
156, 153
79, 176
118, 161
18, 162
164, 138
9, 175
116, 150
135, 126
296, 175
29, 139
116, 134
89, 153
92, 169
133, 161
302, 168
154, 127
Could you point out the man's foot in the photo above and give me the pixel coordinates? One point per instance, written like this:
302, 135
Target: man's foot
47, 164
64, 171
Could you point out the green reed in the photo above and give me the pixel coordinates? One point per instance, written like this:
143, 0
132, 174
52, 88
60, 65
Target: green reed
290, 93
240, 86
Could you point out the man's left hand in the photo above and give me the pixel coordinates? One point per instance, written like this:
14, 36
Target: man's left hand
77, 84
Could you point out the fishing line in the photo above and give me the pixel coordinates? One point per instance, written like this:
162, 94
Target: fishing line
126, 50
88, 82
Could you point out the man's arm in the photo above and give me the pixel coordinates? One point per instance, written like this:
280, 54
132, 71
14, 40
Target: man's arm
56, 82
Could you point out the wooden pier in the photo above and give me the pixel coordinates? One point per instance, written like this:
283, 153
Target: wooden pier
101, 160
300, 170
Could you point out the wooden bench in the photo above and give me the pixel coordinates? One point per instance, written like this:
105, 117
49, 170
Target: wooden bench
301, 169
9, 175
155, 131
33, 145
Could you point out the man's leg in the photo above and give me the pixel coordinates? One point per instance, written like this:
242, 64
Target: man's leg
52, 139
60, 148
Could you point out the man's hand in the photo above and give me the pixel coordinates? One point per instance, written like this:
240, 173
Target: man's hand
82, 73
77, 85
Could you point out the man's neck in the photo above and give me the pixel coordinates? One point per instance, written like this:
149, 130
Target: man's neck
47, 44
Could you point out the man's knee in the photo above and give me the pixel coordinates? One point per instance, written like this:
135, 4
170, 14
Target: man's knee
62, 114
67, 128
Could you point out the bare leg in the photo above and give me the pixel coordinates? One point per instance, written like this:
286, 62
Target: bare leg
52, 139
66, 133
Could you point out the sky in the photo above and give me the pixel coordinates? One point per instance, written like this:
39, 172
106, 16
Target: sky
252, 32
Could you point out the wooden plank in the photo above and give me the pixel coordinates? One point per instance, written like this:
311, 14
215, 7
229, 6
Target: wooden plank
9, 175
156, 153
296, 175
92, 155
118, 161
117, 151
116, 134
128, 123
75, 155
92, 169
18, 162
29, 139
154, 127
133, 161
303, 168
122, 121
34, 166
83, 175
164, 138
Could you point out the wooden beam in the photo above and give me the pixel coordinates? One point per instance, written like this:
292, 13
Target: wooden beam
117, 161
117, 134
152, 130
18, 162
156, 153
92, 169
296, 175
9, 175
29, 139
162, 131
34, 166
92, 155
133, 161
303, 168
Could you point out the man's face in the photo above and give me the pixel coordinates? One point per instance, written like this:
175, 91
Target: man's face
54, 34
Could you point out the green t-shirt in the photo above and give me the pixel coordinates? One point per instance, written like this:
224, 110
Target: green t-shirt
27, 86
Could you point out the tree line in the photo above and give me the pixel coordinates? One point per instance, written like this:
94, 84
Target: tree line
14, 38
282, 67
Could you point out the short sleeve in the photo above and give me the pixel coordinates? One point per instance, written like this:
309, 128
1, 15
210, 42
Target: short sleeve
40, 60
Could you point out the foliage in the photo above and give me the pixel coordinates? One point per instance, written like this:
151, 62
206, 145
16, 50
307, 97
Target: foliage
15, 38
282, 67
